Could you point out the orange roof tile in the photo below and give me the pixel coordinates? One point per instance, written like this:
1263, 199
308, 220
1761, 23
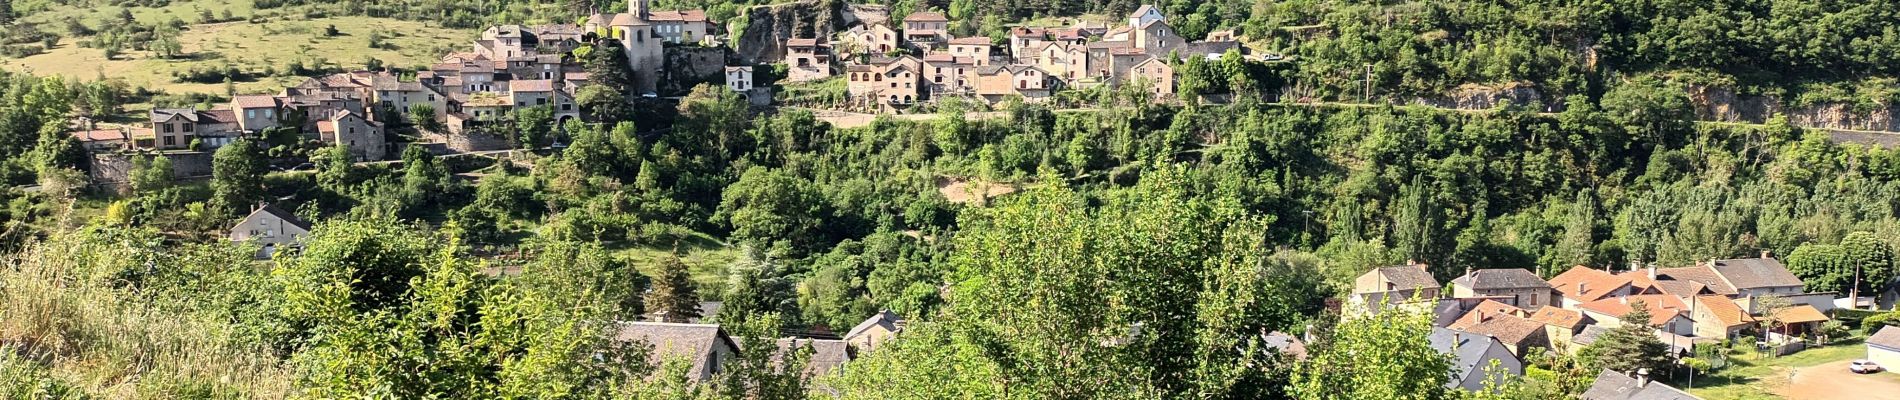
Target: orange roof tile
1661, 307
1585, 284
1724, 309
1484, 311
1568, 319
1799, 314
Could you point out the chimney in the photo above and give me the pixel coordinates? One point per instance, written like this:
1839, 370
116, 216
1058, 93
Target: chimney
1642, 377
1634, 264
1411, 261
1623, 299
1652, 271
1766, 253
1583, 287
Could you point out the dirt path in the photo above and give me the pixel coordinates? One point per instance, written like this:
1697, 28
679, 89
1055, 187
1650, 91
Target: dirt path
1832, 381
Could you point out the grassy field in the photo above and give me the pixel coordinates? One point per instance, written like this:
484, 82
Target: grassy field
1750, 376
250, 47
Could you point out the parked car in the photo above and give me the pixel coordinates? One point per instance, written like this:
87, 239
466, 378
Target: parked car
1863, 367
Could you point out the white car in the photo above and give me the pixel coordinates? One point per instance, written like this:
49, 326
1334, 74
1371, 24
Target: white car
1863, 367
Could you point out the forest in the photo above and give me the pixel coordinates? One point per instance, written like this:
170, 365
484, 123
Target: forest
1145, 250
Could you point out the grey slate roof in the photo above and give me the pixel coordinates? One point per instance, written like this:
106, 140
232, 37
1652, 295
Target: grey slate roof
889, 320
1612, 385
1471, 354
1512, 278
826, 356
1888, 338
1751, 273
1589, 335
694, 342
166, 114
1286, 344
1408, 277
1699, 274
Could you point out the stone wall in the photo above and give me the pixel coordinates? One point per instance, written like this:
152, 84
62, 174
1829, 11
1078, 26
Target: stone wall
688, 66
473, 140
114, 169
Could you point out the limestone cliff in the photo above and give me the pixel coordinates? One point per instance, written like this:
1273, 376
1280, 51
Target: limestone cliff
769, 26
1714, 103
1481, 97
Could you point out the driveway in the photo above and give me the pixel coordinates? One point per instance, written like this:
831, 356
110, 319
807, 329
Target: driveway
1832, 381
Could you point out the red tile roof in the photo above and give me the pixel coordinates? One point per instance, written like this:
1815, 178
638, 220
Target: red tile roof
973, 40
1567, 319
925, 16
1585, 284
1485, 311
1661, 307
253, 101
681, 16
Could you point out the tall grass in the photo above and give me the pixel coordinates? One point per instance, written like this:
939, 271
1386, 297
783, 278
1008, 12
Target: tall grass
74, 320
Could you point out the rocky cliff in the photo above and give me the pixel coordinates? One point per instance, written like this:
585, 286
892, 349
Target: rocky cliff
1723, 104
769, 26
1481, 97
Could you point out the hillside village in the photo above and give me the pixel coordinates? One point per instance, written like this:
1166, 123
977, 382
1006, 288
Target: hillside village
888, 67
1497, 321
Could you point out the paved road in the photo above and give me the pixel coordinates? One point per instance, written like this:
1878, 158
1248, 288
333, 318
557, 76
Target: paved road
1832, 381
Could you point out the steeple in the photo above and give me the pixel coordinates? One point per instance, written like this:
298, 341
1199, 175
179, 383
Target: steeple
638, 8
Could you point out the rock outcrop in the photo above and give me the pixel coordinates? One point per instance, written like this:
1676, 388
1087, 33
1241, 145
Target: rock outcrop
1480, 97
1714, 103
769, 26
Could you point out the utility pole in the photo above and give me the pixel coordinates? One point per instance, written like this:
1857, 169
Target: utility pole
1368, 83
1853, 296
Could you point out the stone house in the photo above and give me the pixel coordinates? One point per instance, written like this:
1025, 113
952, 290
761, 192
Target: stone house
1666, 313
995, 82
875, 330
1560, 325
684, 26
975, 48
176, 128
874, 39
644, 47
1471, 354
1396, 284
1515, 286
807, 59
707, 348
1581, 284
362, 137
925, 29
945, 74
271, 228
1717, 316
1157, 74
256, 113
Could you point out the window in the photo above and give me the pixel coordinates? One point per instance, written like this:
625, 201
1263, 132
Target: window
171, 141
250, 113
168, 128
567, 107
540, 101
187, 127
268, 112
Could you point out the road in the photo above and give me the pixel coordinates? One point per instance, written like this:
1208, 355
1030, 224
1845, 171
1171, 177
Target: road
1832, 381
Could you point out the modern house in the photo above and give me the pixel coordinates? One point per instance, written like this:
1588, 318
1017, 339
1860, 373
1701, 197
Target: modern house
1515, 286
272, 228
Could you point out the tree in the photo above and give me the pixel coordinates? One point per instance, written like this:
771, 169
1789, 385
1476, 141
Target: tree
165, 41
150, 174
237, 177
674, 297
756, 286
1630, 346
423, 116
1383, 356
773, 208
1872, 258
533, 126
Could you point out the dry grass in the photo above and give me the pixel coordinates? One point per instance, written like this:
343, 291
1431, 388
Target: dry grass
963, 191
252, 48
58, 313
